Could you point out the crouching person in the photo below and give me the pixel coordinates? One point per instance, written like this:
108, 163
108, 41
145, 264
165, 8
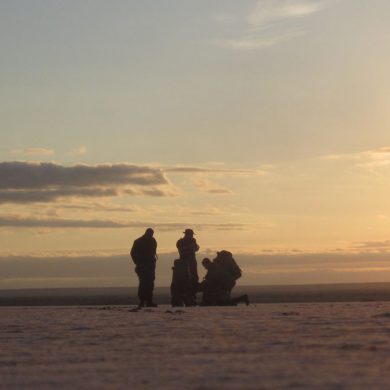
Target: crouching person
219, 281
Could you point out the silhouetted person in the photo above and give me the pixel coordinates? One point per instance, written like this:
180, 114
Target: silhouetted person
187, 247
227, 269
209, 285
182, 292
219, 281
144, 255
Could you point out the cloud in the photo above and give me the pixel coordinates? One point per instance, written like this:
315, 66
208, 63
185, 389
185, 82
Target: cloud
199, 174
80, 151
189, 169
28, 182
19, 271
15, 221
45, 196
158, 193
267, 12
376, 158
220, 191
254, 41
33, 151
41, 182
23, 222
198, 226
269, 23
373, 246
116, 269
27, 175
211, 188
217, 171
371, 160
52, 195
76, 269
99, 207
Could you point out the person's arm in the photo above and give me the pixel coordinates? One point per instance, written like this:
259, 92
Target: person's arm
155, 250
196, 246
134, 252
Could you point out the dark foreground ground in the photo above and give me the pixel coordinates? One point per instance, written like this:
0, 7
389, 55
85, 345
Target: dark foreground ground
330, 346
364, 292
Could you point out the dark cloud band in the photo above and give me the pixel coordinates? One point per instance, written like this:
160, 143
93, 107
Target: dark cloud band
35, 196
26, 182
27, 175
22, 222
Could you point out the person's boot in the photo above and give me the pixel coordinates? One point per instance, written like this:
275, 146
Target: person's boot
151, 304
141, 304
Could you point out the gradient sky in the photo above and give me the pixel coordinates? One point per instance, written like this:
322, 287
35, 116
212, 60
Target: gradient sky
263, 125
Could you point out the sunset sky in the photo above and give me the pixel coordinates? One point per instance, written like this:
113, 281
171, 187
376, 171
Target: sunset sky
263, 125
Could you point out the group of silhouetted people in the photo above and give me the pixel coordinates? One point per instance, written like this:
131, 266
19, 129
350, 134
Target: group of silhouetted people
221, 276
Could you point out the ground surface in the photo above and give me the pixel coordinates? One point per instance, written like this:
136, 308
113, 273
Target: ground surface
263, 346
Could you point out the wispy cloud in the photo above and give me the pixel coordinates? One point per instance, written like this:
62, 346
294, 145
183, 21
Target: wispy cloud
200, 175
33, 152
25, 222
80, 151
371, 160
268, 23
52, 195
219, 191
15, 221
188, 169
253, 41
211, 188
268, 12
98, 207
377, 158
373, 246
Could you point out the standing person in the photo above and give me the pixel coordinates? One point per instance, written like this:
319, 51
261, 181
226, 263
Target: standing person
187, 247
144, 255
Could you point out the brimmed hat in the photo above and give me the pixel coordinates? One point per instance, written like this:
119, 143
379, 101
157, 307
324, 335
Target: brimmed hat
188, 231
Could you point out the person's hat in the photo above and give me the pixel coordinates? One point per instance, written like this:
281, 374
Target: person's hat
188, 231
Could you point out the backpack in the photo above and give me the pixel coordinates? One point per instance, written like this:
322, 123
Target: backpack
228, 265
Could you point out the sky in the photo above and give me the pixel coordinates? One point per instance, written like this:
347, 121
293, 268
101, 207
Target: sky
261, 124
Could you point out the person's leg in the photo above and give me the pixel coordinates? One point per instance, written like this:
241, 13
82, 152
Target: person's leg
176, 299
141, 289
149, 287
209, 299
224, 299
240, 299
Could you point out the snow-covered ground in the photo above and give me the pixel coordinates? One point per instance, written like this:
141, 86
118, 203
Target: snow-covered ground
262, 346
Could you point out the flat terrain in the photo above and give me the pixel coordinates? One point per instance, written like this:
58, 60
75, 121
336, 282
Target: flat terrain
262, 346
352, 292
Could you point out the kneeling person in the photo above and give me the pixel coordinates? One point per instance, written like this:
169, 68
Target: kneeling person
220, 279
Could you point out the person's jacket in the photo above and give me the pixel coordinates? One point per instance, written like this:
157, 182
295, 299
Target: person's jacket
144, 250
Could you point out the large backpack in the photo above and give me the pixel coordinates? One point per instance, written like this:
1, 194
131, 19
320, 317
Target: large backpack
227, 265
